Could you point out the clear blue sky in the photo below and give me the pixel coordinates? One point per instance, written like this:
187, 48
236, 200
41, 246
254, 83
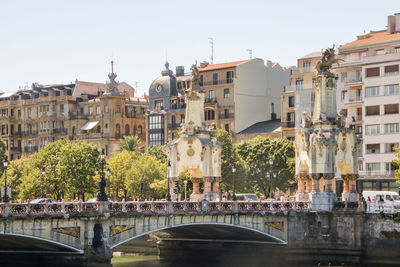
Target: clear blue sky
60, 41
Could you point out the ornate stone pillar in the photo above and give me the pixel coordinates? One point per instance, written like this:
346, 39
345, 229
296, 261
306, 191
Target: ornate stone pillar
300, 184
349, 188
346, 186
315, 183
308, 185
196, 185
353, 187
328, 182
207, 185
216, 186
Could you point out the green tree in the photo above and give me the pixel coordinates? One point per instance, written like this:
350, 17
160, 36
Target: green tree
396, 163
146, 169
130, 143
258, 152
77, 164
16, 172
229, 159
157, 152
120, 165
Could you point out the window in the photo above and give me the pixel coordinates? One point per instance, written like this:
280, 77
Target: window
363, 54
106, 109
187, 84
373, 149
290, 117
372, 91
291, 101
184, 85
372, 129
179, 85
19, 113
156, 122
299, 84
29, 112
156, 139
373, 166
392, 109
127, 129
358, 129
359, 75
4, 112
344, 95
391, 147
62, 108
211, 94
392, 89
140, 129
118, 109
117, 129
306, 66
215, 78
229, 76
159, 104
97, 109
372, 110
391, 70
226, 93
91, 110
182, 118
227, 127
391, 128
397, 49
209, 115
343, 77
379, 52
372, 72
201, 80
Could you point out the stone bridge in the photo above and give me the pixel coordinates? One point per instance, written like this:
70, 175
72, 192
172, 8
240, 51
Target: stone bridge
95, 228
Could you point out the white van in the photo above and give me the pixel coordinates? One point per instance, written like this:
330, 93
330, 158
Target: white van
391, 200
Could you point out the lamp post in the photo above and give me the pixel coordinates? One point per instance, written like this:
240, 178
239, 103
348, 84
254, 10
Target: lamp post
5, 197
271, 174
43, 171
234, 189
109, 180
101, 194
168, 175
185, 183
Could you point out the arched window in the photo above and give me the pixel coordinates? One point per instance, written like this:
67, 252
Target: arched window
98, 129
140, 129
117, 129
126, 129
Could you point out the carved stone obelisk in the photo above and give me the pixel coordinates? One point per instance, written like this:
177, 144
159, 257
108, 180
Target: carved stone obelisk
323, 144
197, 150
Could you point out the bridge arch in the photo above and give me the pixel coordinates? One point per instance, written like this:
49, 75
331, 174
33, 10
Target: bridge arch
229, 229
34, 242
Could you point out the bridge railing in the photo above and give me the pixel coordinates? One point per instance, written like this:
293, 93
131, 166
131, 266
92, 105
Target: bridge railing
146, 207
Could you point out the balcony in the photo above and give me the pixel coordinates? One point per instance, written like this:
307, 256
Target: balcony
29, 133
226, 116
302, 70
377, 173
173, 126
288, 124
31, 148
59, 130
16, 149
216, 82
210, 100
176, 106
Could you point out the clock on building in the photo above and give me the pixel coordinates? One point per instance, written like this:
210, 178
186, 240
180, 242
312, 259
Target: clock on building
159, 88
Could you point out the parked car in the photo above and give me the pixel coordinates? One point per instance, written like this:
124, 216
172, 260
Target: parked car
42, 201
247, 197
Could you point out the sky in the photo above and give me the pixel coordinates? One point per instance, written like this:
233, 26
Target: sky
56, 41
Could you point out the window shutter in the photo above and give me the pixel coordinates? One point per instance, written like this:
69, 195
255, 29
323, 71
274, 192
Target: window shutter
391, 68
371, 72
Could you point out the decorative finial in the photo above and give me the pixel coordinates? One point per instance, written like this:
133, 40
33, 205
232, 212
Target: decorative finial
112, 66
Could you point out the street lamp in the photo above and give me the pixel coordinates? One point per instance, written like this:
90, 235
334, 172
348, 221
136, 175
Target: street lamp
234, 190
43, 171
271, 174
5, 197
168, 175
109, 180
185, 182
101, 194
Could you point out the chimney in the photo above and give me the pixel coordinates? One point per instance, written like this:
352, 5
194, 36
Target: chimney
203, 64
397, 22
391, 24
269, 63
180, 71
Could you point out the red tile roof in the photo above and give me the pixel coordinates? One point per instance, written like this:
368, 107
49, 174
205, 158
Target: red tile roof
374, 37
222, 65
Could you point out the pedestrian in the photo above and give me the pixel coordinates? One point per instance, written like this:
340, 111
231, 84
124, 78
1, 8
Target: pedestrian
282, 198
380, 203
218, 199
223, 198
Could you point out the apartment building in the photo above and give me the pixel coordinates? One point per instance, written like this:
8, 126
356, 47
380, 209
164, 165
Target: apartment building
298, 97
368, 93
238, 95
96, 113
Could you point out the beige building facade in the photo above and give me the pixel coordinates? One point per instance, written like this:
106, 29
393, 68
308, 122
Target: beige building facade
91, 112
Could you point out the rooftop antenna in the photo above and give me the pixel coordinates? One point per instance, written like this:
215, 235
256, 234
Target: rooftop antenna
112, 66
212, 49
250, 51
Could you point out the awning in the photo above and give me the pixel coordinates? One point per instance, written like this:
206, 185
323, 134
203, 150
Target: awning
356, 87
89, 125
